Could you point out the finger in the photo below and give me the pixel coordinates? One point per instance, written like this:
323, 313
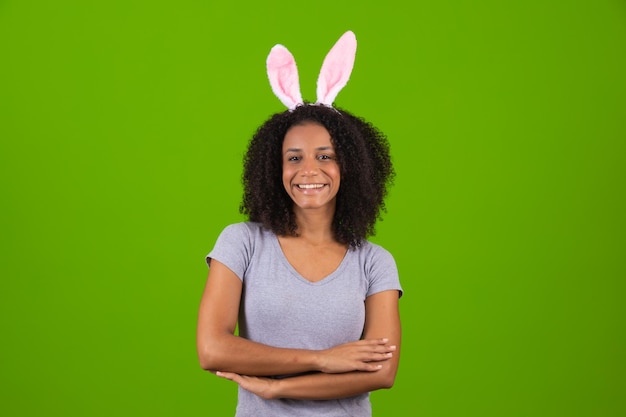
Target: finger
380, 348
378, 345
385, 349
369, 367
381, 341
227, 375
376, 349
377, 357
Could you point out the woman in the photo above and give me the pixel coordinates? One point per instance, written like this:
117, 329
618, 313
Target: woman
315, 303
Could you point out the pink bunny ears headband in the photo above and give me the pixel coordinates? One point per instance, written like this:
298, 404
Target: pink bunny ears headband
336, 69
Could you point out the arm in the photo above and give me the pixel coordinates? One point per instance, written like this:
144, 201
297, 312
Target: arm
381, 319
219, 349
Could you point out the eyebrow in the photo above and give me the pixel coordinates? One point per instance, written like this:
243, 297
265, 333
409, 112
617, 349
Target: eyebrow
321, 148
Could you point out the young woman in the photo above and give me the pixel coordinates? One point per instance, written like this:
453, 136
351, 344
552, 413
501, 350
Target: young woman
315, 303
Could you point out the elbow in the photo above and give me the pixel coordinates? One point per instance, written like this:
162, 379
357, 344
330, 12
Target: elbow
208, 358
214, 351
387, 383
206, 362
387, 377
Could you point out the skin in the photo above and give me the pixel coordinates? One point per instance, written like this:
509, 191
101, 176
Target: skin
311, 176
309, 160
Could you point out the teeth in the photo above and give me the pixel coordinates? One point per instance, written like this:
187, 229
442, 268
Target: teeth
310, 186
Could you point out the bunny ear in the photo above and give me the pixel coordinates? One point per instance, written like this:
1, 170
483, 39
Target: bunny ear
336, 69
283, 75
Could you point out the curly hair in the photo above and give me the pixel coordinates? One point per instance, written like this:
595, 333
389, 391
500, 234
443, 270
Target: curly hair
365, 167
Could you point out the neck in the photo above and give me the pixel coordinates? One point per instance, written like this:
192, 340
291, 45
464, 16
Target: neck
315, 226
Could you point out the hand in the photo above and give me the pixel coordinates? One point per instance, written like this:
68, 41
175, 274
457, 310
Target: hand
362, 355
263, 387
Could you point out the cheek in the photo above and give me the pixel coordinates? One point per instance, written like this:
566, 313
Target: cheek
338, 179
287, 174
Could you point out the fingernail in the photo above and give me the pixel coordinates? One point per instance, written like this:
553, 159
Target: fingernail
392, 347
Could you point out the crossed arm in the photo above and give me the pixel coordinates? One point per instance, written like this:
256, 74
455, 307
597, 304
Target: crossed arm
341, 371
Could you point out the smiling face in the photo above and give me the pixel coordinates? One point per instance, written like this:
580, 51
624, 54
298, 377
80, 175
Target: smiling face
310, 169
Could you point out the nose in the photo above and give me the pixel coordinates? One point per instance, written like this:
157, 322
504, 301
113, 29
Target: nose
309, 167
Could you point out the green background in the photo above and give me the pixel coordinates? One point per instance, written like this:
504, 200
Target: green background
122, 127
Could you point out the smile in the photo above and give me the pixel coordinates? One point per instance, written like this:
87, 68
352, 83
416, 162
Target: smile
309, 186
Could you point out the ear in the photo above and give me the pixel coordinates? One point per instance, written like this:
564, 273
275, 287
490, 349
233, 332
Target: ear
336, 69
283, 75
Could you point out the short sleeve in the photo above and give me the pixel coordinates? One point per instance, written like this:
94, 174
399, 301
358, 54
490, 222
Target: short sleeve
382, 272
233, 249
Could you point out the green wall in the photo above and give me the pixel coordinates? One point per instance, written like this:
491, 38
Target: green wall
122, 127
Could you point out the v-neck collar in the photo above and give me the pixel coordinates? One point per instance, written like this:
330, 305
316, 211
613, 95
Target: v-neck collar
294, 272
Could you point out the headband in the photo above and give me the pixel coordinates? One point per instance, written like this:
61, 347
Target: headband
336, 69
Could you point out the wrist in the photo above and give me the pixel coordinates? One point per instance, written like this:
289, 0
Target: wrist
317, 360
276, 391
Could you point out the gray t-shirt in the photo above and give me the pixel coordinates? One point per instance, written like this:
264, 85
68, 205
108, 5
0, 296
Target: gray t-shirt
281, 308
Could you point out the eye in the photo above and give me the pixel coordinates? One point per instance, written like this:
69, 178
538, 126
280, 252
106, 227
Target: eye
293, 158
325, 157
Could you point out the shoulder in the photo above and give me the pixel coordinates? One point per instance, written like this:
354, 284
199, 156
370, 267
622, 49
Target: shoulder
243, 228
380, 268
374, 252
246, 233
376, 260
238, 244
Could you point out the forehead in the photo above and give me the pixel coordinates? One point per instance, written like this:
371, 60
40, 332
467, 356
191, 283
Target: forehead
306, 136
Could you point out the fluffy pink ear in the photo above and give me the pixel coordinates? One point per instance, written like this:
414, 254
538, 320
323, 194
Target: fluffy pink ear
283, 75
336, 69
